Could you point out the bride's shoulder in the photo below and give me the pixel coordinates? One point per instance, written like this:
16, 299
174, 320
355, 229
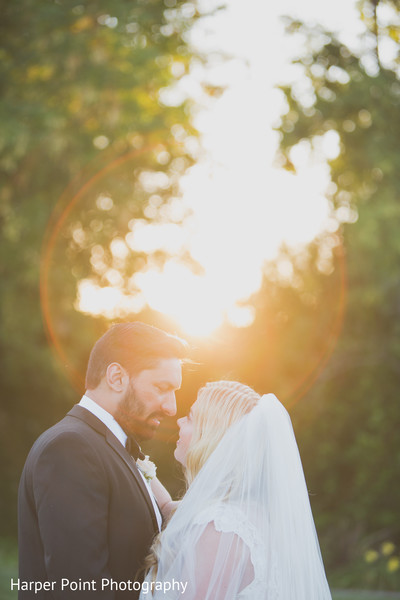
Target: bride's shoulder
221, 512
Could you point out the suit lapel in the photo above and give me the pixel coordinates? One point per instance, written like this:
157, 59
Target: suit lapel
131, 464
85, 415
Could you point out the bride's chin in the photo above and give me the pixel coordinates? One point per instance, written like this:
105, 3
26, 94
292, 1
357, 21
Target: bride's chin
178, 457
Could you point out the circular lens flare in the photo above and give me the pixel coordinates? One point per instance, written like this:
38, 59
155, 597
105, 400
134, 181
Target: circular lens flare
177, 304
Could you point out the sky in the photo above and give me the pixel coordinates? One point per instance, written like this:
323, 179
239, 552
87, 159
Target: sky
239, 207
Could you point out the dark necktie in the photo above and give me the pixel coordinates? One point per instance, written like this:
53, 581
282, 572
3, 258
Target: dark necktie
133, 448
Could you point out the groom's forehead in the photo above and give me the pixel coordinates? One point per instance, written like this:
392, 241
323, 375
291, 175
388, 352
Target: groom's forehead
165, 370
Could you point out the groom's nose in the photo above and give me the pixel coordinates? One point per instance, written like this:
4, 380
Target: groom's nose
169, 405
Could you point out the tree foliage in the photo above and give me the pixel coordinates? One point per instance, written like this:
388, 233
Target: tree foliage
83, 85
355, 426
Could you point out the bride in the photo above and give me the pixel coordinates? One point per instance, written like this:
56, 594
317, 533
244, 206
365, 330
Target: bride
244, 529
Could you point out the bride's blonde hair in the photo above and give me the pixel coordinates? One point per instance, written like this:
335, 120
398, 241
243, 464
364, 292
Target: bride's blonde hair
219, 405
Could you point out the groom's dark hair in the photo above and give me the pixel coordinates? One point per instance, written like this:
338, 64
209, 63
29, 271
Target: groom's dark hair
135, 346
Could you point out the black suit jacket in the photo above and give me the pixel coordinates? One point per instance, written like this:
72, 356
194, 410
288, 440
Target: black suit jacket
84, 511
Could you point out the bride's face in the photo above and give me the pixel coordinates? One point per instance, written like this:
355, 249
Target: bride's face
185, 435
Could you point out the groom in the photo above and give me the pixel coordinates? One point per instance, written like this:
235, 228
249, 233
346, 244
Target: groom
86, 515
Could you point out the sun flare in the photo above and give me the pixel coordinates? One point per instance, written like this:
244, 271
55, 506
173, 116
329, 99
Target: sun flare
237, 222
235, 210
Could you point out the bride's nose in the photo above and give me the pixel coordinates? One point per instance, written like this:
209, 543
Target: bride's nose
180, 422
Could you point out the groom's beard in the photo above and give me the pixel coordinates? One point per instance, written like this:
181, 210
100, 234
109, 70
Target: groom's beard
132, 414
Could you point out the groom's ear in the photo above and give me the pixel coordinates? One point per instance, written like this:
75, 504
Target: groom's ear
117, 378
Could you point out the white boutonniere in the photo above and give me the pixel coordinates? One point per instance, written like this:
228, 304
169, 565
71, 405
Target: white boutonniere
147, 468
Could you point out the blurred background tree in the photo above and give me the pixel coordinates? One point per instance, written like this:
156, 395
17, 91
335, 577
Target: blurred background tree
353, 415
82, 88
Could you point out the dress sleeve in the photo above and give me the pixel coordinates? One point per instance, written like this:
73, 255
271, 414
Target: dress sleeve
71, 496
223, 557
223, 565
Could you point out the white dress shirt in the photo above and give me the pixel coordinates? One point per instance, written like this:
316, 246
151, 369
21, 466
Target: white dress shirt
109, 421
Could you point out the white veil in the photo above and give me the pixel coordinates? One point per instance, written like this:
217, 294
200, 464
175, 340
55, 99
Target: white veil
245, 529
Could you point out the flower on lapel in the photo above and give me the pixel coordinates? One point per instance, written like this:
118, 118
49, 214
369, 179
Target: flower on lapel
147, 468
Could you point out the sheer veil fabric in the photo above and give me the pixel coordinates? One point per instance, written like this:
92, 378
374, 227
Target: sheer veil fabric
245, 530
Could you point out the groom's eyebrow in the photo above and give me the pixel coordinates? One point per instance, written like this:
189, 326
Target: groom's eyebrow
167, 384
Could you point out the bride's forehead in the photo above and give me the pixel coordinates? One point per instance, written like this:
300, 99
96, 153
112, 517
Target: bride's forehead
201, 405
194, 407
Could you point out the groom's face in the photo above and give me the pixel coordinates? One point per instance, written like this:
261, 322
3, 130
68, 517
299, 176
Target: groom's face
149, 398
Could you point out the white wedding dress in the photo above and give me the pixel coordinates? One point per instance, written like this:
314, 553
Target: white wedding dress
244, 530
